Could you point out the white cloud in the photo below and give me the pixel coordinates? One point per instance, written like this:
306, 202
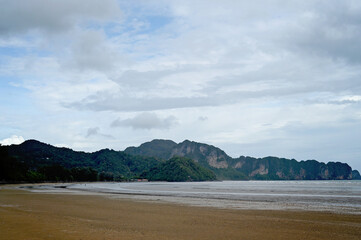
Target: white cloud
214, 54
95, 131
222, 72
91, 51
355, 98
146, 121
12, 140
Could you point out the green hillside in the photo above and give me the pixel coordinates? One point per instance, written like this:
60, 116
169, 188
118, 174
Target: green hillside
245, 168
163, 160
37, 161
178, 169
157, 148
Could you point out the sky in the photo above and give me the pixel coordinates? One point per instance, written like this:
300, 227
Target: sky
255, 78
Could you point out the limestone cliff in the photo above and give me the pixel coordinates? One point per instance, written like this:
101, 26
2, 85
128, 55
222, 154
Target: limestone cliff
268, 168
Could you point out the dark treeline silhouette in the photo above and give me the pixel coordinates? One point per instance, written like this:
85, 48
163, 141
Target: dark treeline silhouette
13, 170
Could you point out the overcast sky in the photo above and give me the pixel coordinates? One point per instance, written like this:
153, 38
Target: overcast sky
256, 78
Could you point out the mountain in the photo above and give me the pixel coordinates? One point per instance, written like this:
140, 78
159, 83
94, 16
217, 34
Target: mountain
156, 148
178, 169
206, 155
38, 161
225, 167
356, 175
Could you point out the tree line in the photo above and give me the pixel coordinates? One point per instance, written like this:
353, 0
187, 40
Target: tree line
14, 170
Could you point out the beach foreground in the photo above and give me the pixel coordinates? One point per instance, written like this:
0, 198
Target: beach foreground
29, 215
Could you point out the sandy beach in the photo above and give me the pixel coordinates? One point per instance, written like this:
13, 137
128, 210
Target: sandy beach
28, 215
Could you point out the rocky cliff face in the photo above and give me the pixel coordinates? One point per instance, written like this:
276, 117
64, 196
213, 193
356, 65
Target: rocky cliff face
206, 155
268, 168
274, 168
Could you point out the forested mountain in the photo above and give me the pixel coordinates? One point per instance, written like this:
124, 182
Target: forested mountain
179, 169
156, 160
225, 167
356, 174
36, 161
158, 148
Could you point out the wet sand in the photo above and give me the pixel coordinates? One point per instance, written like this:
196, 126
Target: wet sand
28, 215
331, 196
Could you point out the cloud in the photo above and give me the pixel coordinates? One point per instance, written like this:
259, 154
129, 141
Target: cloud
91, 51
141, 80
332, 32
251, 67
202, 118
146, 121
96, 132
52, 16
103, 101
265, 83
12, 140
225, 54
92, 131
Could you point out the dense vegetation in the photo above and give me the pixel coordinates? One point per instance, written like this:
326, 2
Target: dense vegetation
35, 162
273, 168
157, 148
356, 175
14, 170
178, 169
245, 168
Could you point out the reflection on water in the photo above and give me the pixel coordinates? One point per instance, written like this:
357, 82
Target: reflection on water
337, 196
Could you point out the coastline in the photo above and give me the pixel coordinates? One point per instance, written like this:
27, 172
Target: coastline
59, 215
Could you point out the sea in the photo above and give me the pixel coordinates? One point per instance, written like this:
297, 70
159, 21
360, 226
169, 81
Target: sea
333, 196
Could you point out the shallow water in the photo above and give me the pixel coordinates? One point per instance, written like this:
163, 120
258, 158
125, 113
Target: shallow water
334, 196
